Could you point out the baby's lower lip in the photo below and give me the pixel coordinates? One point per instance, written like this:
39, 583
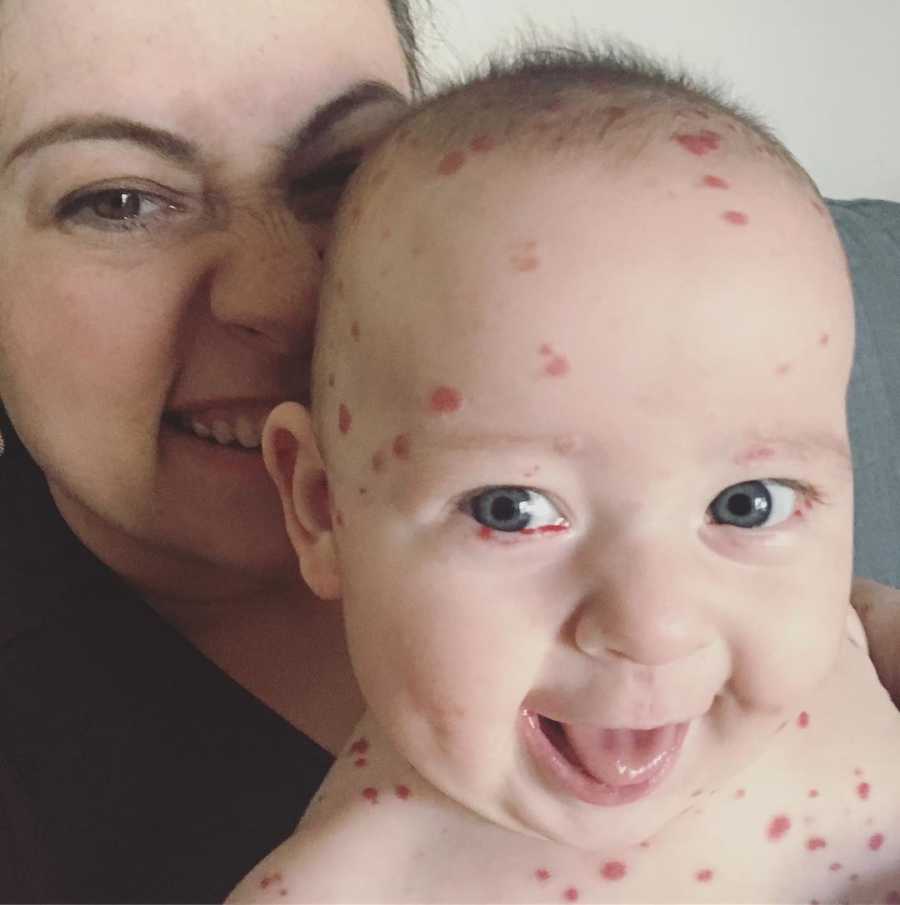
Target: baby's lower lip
543, 740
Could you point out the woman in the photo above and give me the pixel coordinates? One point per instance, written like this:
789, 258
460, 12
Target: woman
170, 693
168, 175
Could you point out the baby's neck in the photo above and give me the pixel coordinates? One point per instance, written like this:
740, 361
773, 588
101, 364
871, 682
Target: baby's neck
816, 817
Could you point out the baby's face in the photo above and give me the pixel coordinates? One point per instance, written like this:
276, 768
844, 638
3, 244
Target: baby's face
594, 487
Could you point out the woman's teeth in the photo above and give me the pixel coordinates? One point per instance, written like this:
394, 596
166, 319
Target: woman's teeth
241, 429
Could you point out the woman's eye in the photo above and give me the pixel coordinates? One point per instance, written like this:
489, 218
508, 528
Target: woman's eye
513, 509
114, 209
754, 504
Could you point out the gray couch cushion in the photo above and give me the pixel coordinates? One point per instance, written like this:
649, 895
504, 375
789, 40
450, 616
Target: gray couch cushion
870, 231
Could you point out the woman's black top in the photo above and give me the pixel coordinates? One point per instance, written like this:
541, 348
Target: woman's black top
132, 769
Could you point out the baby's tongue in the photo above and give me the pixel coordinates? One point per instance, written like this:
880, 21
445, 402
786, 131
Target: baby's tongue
622, 757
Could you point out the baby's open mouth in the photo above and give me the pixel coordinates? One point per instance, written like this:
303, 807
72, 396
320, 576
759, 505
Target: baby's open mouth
599, 765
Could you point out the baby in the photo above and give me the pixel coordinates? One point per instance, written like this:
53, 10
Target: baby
578, 471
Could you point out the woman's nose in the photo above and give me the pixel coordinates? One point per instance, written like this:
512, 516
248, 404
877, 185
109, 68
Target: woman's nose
649, 611
266, 281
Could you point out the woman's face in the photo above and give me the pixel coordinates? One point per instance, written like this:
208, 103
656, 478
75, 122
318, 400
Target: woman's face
167, 176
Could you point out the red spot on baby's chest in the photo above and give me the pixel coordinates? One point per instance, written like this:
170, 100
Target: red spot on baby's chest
613, 870
699, 143
445, 400
345, 419
451, 163
778, 827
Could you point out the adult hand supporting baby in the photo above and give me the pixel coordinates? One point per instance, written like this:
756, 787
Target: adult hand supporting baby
878, 606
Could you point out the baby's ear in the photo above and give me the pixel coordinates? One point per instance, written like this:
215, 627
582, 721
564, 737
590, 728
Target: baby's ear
295, 465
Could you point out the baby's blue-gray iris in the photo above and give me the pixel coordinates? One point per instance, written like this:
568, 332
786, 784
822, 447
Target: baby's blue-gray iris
503, 508
745, 505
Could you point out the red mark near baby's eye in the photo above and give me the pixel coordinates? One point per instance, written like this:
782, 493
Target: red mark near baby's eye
445, 400
813, 793
613, 870
571, 894
715, 182
451, 163
704, 876
370, 794
803, 719
378, 462
876, 841
863, 790
402, 792
823, 339
778, 827
401, 446
485, 533
545, 529
815, 842
542, 874
738, 218
360, 746
345, 419
699, 143
558, 366
481, 144
754, 454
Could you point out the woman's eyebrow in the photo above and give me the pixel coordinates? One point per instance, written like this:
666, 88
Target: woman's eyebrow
112, 128
329, 114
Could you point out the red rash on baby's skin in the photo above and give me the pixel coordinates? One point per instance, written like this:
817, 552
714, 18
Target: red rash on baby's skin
738, 218
740, 793
876, 841
715, 182
370, 794
571, 894
485, 533
542, 874
378, 462
754, 454
815, 842
699, 143
345, 419
360, 746
445, 400
782, 369
778, 827
862, 790
835, 866
803, 719
481, 144
813, 793
266, 882
558, 366
402, 792
704, 876
823, 339
452, 163
613, 870
401, 447
360, 762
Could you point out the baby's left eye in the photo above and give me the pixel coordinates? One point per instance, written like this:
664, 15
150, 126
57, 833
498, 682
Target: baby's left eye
754, 504
513, 509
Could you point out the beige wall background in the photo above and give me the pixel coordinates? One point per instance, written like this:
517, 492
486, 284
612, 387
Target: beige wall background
825, 74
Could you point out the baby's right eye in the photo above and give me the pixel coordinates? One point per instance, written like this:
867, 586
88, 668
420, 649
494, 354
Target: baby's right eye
513, 509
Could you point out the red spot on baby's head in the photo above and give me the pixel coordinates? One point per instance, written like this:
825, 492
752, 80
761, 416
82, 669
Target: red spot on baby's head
803, 719
613, 870
754, 454
815, 842
378, 461
402, 792
715, 182
360, 746
558, 366
571, 894
823, 339
778, 827
738, 218
741, 793
699, 143
401, 446
704, 876
876, 841
863, 790
835, 866
345, 419
542, 874
451, 163
370, 794
481, 144
445, 400
813, 793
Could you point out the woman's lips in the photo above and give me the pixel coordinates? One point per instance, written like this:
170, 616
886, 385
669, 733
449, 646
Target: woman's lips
606, 767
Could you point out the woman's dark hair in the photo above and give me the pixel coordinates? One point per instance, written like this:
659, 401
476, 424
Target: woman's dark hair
406, 28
